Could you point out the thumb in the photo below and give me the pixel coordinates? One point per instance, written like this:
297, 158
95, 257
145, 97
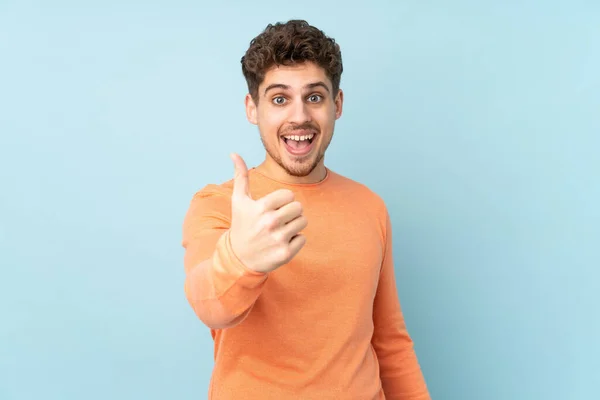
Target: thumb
240, 180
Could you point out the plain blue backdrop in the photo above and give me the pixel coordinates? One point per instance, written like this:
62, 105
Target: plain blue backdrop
477, 122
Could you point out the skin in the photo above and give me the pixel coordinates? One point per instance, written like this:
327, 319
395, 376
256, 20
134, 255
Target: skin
266, 233
296, 99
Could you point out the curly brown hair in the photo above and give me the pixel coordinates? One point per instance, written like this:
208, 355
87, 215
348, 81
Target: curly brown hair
289, 43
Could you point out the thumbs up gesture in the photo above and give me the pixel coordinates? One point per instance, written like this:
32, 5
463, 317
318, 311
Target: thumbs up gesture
264, 233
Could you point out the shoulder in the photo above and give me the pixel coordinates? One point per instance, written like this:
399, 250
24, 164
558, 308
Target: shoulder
370, 202
360, 191
211, 196
222, 192
212, 192
209, 207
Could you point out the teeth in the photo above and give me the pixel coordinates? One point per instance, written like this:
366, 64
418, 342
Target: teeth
299, 138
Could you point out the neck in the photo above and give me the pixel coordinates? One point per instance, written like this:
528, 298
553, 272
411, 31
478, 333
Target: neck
273, 170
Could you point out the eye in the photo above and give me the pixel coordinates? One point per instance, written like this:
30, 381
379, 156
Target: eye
314, 98
278, 100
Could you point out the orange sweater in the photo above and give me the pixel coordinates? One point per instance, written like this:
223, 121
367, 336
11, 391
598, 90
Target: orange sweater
328, 325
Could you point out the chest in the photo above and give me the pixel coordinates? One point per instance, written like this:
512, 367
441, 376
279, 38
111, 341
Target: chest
342, 255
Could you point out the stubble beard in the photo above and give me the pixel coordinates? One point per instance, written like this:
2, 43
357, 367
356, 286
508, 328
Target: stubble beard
301, 166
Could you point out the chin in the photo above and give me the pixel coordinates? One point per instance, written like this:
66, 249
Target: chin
299, 172
299, 168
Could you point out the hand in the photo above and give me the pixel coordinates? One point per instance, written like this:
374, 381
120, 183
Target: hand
264, 233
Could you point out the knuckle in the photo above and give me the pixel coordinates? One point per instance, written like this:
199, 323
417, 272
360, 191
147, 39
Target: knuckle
261, 207
270, 221
288, 195
284, 253
279, 238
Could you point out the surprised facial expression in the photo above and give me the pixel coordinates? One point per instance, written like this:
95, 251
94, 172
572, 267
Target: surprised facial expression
295, 113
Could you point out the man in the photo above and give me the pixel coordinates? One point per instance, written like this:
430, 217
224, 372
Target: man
290, 264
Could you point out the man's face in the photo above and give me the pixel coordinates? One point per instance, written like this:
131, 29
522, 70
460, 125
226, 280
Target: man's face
295, 114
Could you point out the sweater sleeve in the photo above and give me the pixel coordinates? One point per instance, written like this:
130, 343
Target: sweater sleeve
219, 288
400, 372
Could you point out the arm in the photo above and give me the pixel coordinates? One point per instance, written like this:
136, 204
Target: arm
219, 288
400, 372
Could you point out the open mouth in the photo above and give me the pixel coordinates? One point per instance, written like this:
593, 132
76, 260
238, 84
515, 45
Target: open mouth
299, 145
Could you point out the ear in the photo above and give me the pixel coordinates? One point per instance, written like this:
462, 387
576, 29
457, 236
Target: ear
251, 113
339, 102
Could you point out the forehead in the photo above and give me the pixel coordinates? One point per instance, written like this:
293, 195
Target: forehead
295, 76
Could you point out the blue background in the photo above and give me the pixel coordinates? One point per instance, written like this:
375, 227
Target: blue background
477, 122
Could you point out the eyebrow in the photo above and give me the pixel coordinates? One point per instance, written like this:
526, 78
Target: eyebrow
287, 87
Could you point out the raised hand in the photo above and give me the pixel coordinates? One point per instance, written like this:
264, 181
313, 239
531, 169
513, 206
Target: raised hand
265, 233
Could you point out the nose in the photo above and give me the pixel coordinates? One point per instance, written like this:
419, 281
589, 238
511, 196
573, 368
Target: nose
299, 113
